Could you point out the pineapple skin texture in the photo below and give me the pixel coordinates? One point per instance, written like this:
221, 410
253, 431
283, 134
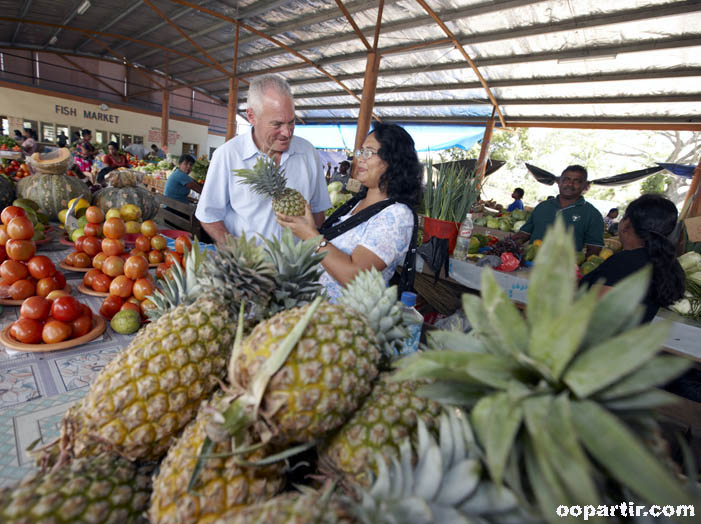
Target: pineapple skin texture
291, 203
106, 489
325, 378
222, 486
386, 418
146, 395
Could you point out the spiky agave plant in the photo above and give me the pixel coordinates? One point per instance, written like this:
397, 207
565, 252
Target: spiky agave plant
560, 395
268, 178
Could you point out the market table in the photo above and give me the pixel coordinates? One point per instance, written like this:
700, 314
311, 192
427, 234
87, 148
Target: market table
683, 338
37, 388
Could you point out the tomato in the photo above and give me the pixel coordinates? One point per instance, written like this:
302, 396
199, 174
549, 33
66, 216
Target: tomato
41, 266
21, 289
20, 228
143, 288
79, 244
114, 228
110, 306
113, 266
101, 283
37, 308
94, 215
20, 249
4, 237
45, 286
92, 230
145, 306
143, 243
173, 257
82, 260
56, 331
70, 258
3, 253
182, 243
155, 257
57, 293
112, 246
159, 242
92, 246
11, 212
87, 312
81, 326
11, 271
121, 286
66, 309
131, 305
26, 331
60, 280
90, 276
98, 260
136, 267
149, 228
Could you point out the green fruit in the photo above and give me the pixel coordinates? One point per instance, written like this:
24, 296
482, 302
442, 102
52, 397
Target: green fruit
587, 267
474, 245
26, 203
38, 235
43, 218
493, 223
126, 322
581, 257
77, 233
82, 221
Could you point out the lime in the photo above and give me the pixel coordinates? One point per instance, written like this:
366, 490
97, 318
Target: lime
126, 322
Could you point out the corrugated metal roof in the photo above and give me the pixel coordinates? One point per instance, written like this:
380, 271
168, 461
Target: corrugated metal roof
544, 61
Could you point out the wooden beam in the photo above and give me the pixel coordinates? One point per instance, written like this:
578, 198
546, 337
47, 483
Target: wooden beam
88, 73
175, 26
378, 24
233, 102
691, 194
355, 27
481, 166
165, 110
372, 68
462, 51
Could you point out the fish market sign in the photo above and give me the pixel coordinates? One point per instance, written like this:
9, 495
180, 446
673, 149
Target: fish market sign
90, 115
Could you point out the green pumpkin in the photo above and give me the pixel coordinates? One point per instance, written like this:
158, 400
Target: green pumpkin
116, 197
7, 192
52, 192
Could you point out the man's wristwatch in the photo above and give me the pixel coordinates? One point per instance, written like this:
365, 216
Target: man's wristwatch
323, 243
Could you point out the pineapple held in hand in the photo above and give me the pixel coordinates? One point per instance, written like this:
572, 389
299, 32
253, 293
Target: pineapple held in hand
267, 178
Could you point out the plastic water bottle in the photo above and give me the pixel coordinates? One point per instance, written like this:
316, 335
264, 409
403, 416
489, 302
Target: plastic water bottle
464, 234
415, 322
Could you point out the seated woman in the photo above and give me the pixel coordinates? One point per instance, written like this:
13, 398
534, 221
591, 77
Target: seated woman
29, 144
85, 152
388, 167
114, 158
644, 232
179, 183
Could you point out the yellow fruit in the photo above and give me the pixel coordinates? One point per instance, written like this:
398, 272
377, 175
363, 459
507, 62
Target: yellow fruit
76, 234
130, 212
605, 253
113, 213
62, 216
133, 226
538, 243
82, 203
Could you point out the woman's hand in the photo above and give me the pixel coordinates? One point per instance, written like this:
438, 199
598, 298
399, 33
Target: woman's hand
302, 227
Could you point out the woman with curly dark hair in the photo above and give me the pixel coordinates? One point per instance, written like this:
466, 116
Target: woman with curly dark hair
644, 233
377, 227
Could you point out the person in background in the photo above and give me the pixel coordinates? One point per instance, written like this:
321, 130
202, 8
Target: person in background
517, 195
18, 137
75, 138
579, 214
229, 206
179, 183
156, 153
343, 173
389, 168
29, 144
610, 220
85, 152
62, 140
137, 150
644, 234
114, 158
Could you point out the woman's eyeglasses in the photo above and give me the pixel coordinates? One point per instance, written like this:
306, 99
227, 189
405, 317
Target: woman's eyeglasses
365, 153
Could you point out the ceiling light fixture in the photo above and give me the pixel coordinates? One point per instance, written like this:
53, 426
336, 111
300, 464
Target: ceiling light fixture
53, 40
83, 7
586, 59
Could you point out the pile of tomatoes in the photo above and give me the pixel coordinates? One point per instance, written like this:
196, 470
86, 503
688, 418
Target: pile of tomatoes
51, 320
15, 169
21, 271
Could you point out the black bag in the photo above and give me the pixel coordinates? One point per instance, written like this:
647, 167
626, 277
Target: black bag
329, 231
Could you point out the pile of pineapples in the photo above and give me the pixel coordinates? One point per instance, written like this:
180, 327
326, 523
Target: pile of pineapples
245, 365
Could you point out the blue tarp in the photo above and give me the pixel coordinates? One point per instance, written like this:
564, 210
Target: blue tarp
426, 137
679, 169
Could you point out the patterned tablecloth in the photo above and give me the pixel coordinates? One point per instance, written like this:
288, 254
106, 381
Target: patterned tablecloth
37, 388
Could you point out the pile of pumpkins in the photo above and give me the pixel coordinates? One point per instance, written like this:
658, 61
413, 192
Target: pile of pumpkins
53, 192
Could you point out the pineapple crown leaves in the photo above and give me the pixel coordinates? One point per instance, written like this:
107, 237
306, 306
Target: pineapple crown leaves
238, 271
183, 287
575, 353
367, 293
445, 485
266, 177
298, 271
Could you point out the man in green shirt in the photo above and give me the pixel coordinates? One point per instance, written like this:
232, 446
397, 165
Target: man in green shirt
580, 215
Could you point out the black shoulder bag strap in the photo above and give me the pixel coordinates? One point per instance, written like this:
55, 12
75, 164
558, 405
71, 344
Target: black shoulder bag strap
329, 231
